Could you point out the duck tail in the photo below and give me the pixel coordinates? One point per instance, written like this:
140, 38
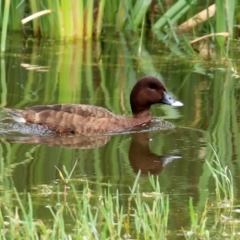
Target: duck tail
16, 114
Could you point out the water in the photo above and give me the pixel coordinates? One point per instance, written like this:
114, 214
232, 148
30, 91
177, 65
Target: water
103, 74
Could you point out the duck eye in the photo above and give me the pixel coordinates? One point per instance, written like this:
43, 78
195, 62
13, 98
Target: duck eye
152, 86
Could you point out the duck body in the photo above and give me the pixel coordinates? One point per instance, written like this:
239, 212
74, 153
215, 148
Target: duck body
76, 119
80, 119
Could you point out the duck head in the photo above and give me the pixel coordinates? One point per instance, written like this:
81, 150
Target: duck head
146, 92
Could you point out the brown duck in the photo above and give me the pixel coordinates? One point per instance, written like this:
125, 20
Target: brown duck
80, 119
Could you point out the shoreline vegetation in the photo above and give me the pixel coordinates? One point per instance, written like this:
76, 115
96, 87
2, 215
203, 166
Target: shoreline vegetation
146, 214
69, 20
145, 217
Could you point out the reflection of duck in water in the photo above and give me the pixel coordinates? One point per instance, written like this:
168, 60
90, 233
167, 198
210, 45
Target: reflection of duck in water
141, 158
78, 119
79, 142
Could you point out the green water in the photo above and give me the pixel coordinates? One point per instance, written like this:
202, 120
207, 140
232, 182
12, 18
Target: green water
103, 73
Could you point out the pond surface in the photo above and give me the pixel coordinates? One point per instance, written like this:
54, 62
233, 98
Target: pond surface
103, 73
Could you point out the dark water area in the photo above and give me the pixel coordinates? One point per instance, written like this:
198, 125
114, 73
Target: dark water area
103, 73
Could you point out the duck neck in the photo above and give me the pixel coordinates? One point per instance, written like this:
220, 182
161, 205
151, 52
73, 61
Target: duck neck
143, 115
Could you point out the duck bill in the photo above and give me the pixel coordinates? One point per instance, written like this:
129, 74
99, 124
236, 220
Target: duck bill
167, 99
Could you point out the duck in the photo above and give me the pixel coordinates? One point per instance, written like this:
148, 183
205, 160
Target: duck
83, 119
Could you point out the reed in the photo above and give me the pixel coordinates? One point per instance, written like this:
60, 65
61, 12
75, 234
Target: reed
223, 181
173, 14
5, 25
198, 223
146, 217
70, 20
35, 23
106, 220
225, 18
222, 205
100, 16
88, 20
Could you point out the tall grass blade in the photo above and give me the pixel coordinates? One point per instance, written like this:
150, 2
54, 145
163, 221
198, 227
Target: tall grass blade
1, 12
133, 189
78, 18
3, 83
220, 21
99, 20
223, 179
56, 20
34, 9
88, 19
231, 8
141, 37
66, 8
5, 25
124, 15
175, 12
17, 11
192, 214
111, 8
139, 11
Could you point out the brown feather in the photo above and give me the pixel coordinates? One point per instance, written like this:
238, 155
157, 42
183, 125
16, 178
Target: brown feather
78, 119
83, 119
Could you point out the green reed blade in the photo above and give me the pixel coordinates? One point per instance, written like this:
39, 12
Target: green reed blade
124, 14
0, 12
30, 214
133, 189
34, 9
139, 11
230, 12
89, 71
99, 19
78, 18
3, 83
56, 21
192, 213
179, 14
23, 209
220, 21
66, 9
111, 8
16, 14
5, 25
89, 19
176, 11
141, 36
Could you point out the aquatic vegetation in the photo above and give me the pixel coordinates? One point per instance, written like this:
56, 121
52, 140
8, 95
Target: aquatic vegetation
106, 219
66, 20
101, 75
221, 208
86, 215
223, 181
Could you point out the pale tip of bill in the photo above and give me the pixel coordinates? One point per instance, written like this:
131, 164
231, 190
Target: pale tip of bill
177, 104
